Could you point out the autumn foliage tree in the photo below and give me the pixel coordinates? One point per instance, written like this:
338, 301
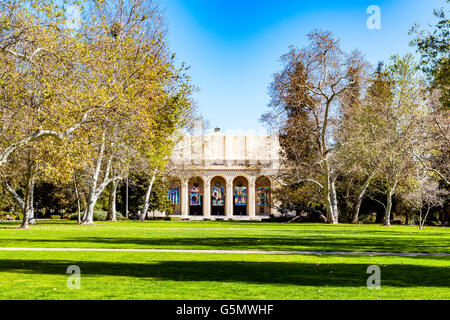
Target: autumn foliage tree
305, 110
109, 85
38, 76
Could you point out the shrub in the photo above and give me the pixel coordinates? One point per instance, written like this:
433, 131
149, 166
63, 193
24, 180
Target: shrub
74, 216
273, 218
99, 215
5, 215
370, 218
119, 216
432, 223
68, 215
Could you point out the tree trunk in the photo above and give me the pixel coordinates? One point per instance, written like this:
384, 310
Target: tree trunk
387, 212
147, 197
328, 208
112, 216
422, 222
27, 218
31, 218
28, 211
77, 195
334, 202
26, 205
328, 188
360, 197
88, 217
327, 195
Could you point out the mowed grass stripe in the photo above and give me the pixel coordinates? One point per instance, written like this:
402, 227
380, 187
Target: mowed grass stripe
224, 225
311, 237
137, 275
353, 253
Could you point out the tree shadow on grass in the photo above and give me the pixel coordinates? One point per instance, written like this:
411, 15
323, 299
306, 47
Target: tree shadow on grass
276, 273
317, 243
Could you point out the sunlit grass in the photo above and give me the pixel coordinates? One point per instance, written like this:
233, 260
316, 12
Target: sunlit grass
131, 275
228, 235
159, 275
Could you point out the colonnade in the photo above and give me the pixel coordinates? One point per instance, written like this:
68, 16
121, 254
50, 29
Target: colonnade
248, 205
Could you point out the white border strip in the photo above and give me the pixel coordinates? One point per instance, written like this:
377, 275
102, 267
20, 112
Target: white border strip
344, 253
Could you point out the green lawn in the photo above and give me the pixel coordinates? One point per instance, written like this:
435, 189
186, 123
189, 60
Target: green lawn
156, 275
228, 235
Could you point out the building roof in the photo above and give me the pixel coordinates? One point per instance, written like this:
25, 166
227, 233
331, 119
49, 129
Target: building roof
218, 149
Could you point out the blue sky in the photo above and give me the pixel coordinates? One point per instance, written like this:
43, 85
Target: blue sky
233, 47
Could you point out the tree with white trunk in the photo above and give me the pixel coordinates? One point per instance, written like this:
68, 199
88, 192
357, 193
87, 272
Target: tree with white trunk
25, 203
305, 103
40, 161
360, 136
401, 122
130, 68
110, 86
426, 195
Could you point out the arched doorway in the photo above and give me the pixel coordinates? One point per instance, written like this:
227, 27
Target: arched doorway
240, 196
262, 201
218, 189
195, 187
174, 193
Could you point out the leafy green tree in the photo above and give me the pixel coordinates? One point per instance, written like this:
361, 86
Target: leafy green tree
37, 75
434, 46
359, 136
398, 125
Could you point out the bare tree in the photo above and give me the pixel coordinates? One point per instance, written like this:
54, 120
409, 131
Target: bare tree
425, 196
305, 111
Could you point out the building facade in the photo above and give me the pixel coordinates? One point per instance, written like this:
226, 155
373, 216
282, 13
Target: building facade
227, 177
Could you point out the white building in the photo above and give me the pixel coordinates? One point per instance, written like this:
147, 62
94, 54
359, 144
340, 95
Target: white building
220, 176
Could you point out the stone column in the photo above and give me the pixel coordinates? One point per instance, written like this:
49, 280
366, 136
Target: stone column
207, 198
251, 198
229, 199
184, 198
